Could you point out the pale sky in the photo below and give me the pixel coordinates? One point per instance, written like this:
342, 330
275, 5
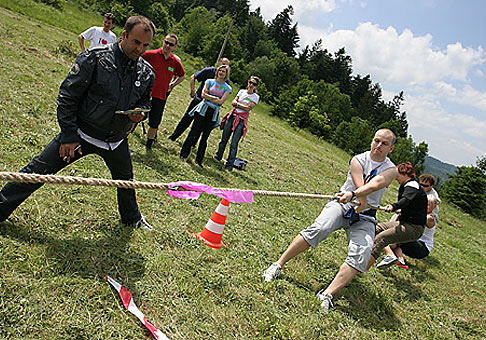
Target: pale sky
433, 50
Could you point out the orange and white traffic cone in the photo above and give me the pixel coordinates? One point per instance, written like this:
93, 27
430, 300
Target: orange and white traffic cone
212, 233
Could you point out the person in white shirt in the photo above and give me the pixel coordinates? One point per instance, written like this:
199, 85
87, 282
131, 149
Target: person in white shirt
236, 121
427, 181
99, 36
369, 175
418, 249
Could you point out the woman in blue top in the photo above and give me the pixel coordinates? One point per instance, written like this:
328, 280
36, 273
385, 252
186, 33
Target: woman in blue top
206, 113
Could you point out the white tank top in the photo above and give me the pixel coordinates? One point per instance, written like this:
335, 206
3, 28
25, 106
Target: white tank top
370, 170
428, 238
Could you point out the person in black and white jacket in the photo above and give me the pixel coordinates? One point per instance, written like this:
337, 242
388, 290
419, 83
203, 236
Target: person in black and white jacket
412, 201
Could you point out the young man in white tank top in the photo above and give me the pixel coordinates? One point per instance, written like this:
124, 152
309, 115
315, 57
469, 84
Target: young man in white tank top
369, 175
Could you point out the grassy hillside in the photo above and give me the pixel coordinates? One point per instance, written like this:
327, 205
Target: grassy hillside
59, 244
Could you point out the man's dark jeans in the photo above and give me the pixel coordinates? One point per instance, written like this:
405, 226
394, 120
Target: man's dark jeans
119, 163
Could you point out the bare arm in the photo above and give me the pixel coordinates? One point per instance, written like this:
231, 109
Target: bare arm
223, 98
176, 81
378, 182
238, 105
81, 42
214, 99
192, 82
356, 171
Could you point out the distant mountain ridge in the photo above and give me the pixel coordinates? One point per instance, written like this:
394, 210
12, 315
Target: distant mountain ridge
439, 169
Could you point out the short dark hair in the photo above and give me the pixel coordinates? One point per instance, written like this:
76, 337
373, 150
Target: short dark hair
109, 16
139, 19
427, 178
406, 168
173, 36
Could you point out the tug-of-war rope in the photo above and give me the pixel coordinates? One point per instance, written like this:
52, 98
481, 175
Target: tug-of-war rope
178, 189
73, 180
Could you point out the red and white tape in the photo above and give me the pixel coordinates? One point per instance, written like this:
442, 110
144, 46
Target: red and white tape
127, 301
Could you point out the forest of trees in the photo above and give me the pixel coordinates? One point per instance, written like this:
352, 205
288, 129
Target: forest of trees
467, 188
313, 89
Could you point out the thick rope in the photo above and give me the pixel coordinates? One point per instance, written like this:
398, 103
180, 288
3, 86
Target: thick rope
99, 182
55, 179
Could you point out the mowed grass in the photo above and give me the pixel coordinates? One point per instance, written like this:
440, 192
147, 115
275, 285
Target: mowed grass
58, 245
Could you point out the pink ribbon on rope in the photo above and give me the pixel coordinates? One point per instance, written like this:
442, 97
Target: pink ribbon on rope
242, 196
127, 301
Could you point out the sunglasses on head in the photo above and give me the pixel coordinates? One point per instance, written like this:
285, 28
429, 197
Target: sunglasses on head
253, 83
169, 43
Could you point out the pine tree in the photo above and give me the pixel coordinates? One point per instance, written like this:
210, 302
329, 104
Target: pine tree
282, 31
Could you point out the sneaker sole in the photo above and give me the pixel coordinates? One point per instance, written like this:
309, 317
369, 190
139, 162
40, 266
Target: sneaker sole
388, 265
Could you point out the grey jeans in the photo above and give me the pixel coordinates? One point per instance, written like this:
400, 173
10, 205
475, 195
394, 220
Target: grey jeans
360, 235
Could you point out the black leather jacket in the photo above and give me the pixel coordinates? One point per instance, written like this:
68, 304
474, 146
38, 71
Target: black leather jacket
102, 81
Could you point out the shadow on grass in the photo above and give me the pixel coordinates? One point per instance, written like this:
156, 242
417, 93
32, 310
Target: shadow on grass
408, 290
359, 302
431, 261
235, 172
85, 258
152, 160
418, 268
304, 286
370, 310
211, 167
209, 170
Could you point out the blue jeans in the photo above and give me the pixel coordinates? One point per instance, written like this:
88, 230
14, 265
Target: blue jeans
119, 163
237, 133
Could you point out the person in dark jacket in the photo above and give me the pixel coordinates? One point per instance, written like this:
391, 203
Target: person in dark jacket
412, 203
102, 81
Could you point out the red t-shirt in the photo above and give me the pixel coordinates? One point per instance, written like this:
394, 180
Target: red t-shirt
164, 69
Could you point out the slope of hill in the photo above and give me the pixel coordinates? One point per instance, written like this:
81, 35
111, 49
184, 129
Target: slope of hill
439, 169
58, 246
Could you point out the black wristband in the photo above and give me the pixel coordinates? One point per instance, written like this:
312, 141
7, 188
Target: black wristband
354, 195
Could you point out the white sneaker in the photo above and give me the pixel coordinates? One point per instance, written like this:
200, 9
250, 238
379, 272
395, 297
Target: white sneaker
144, 224
326, 301
272, 272
387, 261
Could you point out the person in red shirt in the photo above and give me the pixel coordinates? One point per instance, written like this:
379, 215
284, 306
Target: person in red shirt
169, 72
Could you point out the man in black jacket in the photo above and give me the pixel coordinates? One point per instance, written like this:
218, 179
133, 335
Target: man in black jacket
102, 81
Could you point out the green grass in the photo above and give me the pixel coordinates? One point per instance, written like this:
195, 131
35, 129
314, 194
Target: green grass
59, 244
